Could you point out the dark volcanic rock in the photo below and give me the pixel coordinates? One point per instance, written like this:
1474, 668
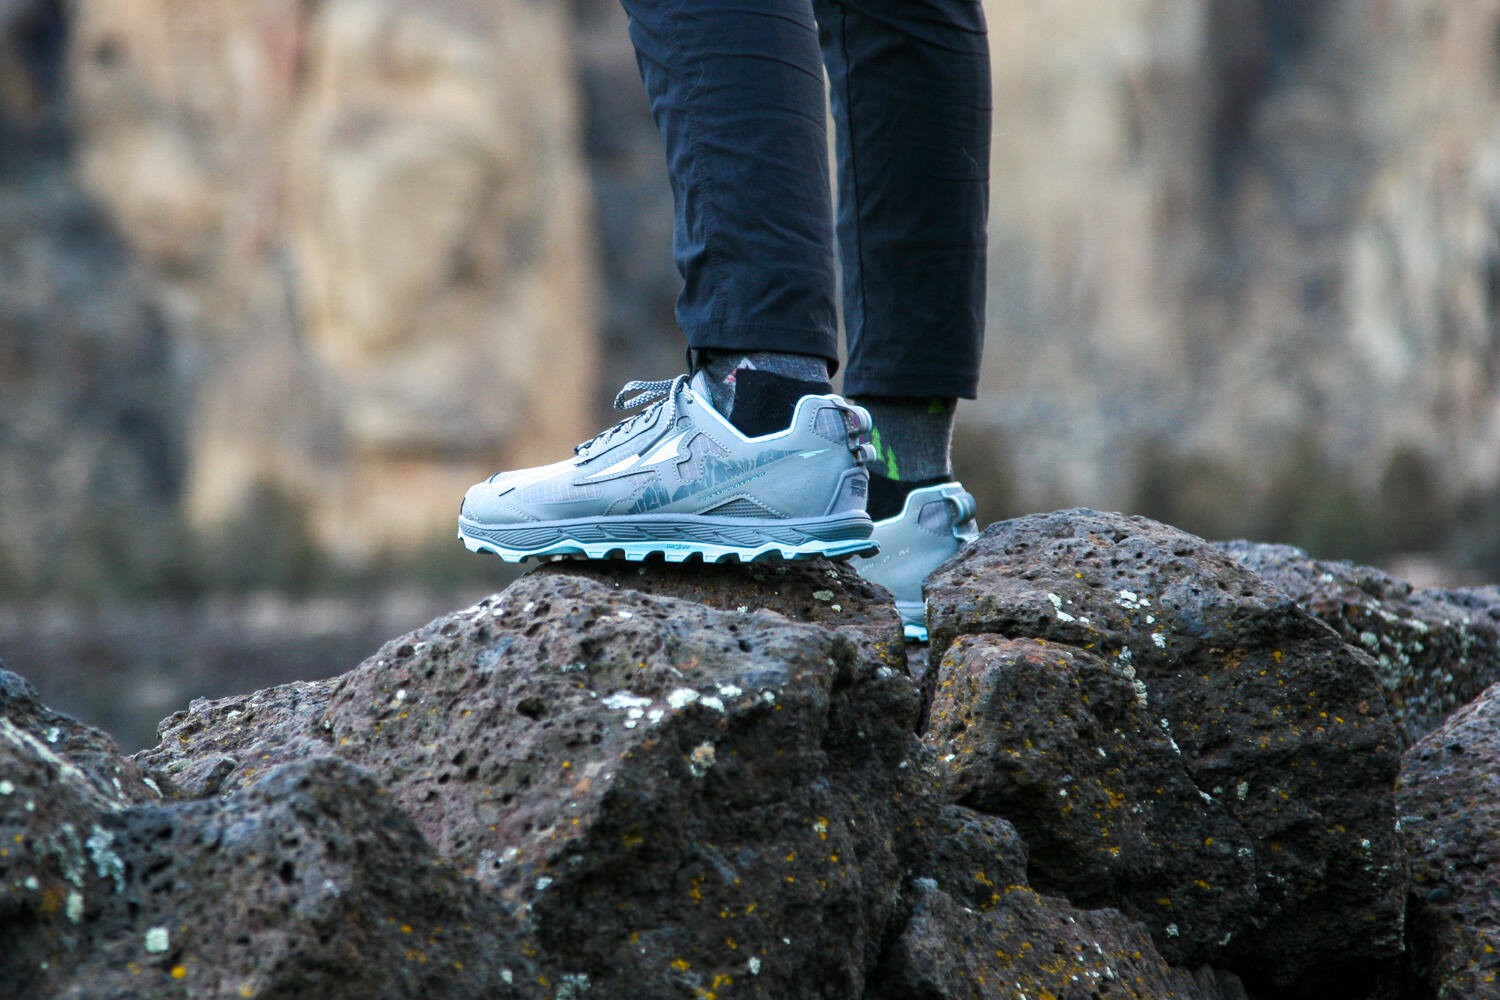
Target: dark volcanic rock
1061, 742
973, 856
1449, 795
60, 781
1024, 945
680, 798
814, 590
976, 929
308, 883
1280, 726
1437, 649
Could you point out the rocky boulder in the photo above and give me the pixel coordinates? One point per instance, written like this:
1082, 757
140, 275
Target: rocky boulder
678, 798
288, 888
59, 784
976, 928
1173, 735
1140, 771
1449, 795
1437, 648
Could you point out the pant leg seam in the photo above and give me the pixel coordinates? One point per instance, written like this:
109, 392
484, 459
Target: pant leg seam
854, 325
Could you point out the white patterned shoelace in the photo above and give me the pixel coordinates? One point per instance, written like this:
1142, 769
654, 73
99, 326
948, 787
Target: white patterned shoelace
635, 394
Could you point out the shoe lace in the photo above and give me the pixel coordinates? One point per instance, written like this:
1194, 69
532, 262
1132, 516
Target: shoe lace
649, 394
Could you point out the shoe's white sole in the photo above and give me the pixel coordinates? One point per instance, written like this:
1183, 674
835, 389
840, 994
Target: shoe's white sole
675, 552
675, 537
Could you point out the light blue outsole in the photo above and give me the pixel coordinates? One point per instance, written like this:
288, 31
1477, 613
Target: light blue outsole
674, 551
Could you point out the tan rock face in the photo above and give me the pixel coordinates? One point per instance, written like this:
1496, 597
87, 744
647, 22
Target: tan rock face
1245, 272
368, 219
1244, 260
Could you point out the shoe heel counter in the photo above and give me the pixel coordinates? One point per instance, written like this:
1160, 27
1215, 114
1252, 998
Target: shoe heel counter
853, 492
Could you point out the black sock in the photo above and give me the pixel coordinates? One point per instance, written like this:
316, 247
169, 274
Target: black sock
764, 401
724, 368
888, 496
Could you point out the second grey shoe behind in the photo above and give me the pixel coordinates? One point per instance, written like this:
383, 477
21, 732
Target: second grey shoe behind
934, 523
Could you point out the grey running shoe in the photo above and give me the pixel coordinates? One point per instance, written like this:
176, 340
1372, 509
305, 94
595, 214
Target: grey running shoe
680, 480
935, 521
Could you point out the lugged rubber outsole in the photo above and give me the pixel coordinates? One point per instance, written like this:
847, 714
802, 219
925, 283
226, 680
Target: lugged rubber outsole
675, 552
674, 537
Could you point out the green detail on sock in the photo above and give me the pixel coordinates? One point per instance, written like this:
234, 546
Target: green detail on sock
937, 406
886, 455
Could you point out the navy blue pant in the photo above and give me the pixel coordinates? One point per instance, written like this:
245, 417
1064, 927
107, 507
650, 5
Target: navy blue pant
737, 89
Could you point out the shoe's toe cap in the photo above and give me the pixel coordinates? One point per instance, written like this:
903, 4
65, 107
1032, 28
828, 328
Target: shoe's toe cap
492, 501
484, 503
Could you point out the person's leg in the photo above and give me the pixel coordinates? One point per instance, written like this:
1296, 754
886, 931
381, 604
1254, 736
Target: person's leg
910, 83
738, 94
737, 89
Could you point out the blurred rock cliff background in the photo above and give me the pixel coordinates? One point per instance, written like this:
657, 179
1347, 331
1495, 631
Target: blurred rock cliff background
278, 279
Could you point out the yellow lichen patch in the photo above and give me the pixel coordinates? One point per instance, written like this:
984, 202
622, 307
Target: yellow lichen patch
247, 990
681, 964
53, 898
632, 840
406, 928
179, 972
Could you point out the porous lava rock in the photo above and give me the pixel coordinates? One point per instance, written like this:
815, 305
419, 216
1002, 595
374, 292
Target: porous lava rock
819, 591
1062, 742
307, 883
1278, 724
1024, 945
60, 781
678, 798
1437, 648
1449, 796
975, 929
